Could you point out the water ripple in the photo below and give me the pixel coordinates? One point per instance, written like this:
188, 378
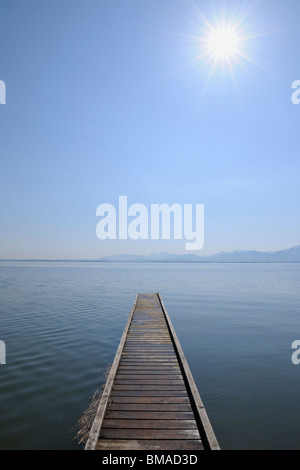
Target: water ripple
62, 323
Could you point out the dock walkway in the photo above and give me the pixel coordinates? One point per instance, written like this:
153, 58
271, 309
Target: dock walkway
150, 400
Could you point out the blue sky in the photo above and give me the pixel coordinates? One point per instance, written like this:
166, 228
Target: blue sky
105, 99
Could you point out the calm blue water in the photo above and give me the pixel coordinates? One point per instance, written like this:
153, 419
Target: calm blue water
62, 323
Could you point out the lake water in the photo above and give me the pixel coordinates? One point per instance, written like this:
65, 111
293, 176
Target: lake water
62, 323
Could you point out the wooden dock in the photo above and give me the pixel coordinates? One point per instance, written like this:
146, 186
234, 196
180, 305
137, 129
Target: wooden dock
150, 400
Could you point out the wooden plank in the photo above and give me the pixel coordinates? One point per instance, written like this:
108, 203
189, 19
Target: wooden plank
151, 360
149, 424
150, 387
156, 374
149, 365
152, 374
149, 339
160, 373
147, 350
152, 400
144, 351
153, 355
168, 434
137, 368
140, 335
142, 366
119, 414
144, 363
133, 343
148, 330
149, 377
149, 343
135, 346
146, 444
149, 346
145, 343
145, 381
141, 338
150, 393
145, 404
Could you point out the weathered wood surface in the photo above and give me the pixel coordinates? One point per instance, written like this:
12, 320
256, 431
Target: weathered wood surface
150, 400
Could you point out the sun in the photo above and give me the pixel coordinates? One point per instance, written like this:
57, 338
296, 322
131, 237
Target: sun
223, 42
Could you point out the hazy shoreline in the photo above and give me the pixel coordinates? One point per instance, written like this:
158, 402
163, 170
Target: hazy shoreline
291, 255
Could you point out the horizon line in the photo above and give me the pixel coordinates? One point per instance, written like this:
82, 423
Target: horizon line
193, 255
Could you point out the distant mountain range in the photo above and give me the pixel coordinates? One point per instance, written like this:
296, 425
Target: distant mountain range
291, 255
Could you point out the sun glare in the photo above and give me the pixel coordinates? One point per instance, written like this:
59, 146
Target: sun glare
223, 42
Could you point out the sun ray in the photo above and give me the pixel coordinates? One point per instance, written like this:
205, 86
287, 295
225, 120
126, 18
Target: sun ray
210, 56
227, 40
